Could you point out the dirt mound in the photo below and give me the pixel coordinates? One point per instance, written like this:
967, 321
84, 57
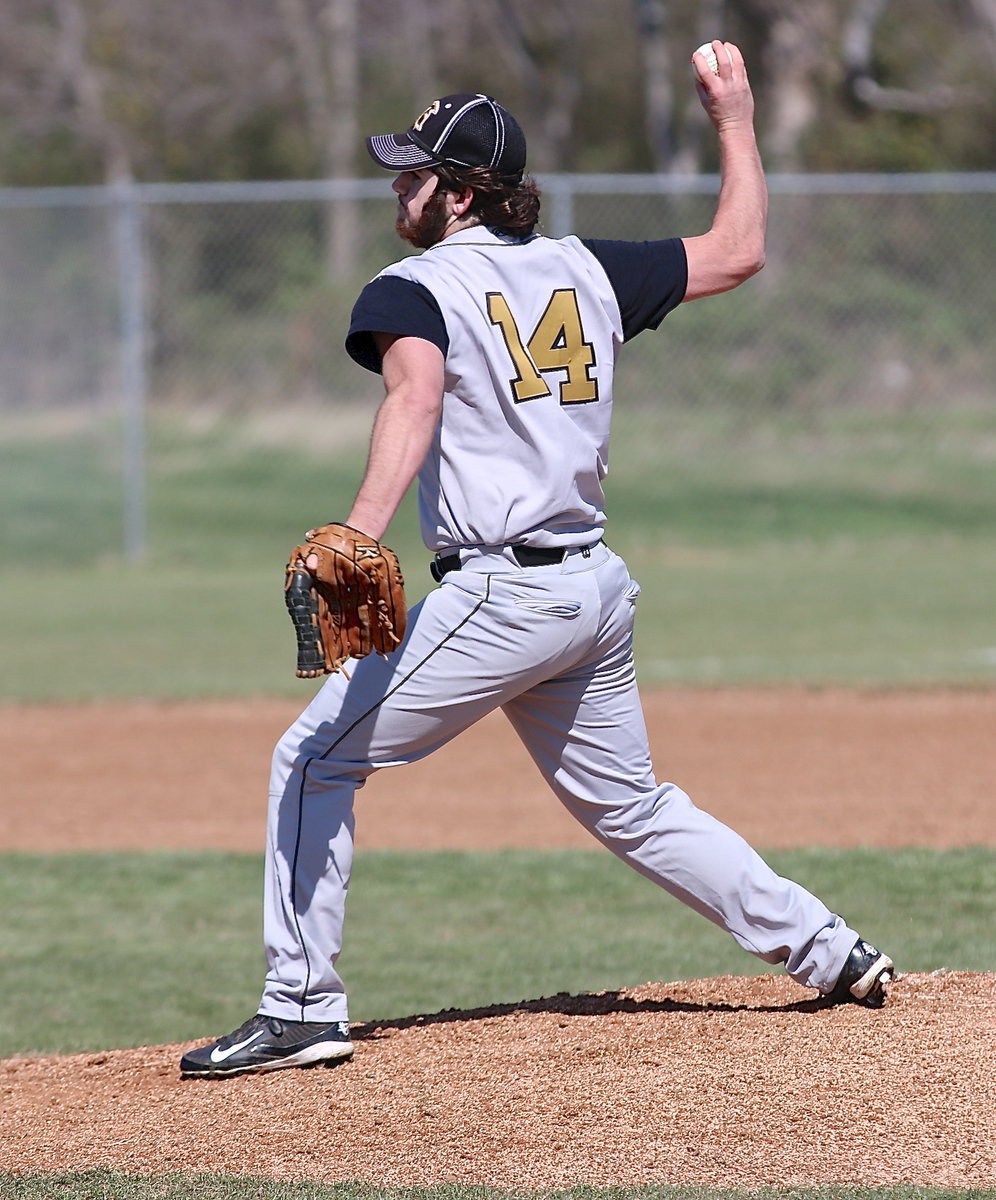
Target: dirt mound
724, 1082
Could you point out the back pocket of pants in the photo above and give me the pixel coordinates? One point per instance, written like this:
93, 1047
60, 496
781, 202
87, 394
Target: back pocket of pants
567, 609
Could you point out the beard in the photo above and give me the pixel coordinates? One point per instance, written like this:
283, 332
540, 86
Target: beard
430, 226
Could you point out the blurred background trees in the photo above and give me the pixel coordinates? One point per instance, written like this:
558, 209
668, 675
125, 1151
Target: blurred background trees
101, 90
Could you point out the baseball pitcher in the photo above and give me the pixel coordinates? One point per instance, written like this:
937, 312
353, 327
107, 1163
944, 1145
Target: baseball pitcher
498, 349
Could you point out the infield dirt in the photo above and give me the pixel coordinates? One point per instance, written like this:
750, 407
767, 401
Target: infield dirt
726, 1082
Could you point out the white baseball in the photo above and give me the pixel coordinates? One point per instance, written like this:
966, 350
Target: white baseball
709, 54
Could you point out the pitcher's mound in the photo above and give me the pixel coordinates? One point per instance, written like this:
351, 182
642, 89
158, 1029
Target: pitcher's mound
724, 1082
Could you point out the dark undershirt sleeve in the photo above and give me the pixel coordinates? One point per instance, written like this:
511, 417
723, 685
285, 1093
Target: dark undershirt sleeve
648, 278
390, 304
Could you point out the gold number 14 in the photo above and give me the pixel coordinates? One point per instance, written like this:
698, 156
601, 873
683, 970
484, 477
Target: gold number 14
557, 344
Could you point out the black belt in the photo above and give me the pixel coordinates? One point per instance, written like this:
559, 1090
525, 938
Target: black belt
525, 556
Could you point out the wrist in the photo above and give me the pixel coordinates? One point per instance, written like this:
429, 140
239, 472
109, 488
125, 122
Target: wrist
736, 127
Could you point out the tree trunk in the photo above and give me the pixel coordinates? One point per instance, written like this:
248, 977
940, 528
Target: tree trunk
711, 24
796, 49
326, 59
85, 83
343, 131
658, 85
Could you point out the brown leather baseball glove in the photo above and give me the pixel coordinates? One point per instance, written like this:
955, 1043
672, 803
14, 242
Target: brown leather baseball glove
348, 602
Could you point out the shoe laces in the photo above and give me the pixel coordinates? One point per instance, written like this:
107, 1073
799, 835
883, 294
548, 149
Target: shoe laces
255, 1022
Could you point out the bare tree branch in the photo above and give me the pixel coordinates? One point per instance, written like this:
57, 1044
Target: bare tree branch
857, 53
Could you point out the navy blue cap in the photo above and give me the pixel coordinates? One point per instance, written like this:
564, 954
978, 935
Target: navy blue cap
460, 131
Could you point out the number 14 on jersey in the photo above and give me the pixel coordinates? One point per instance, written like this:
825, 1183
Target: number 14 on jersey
556, 344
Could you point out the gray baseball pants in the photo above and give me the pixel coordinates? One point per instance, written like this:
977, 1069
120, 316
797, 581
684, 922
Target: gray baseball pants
552, 646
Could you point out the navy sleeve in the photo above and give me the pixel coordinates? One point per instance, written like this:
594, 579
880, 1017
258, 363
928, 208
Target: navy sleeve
648, 278
390, 304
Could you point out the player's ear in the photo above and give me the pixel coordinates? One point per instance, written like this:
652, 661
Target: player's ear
462, 201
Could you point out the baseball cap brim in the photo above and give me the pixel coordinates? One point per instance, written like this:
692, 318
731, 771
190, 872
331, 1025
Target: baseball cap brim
397, 152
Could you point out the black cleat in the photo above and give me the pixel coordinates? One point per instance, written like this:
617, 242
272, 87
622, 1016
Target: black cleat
267, 1044
863, 977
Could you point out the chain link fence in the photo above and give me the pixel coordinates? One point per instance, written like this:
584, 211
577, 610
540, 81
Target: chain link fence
878, 293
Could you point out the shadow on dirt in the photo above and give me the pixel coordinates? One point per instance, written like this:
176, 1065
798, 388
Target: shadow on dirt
584, 1005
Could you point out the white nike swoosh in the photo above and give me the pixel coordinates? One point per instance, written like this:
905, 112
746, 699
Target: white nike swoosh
218, 1055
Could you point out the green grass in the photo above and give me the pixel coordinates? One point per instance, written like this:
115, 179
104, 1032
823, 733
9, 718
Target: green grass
892, 612
115, 1185
102, 950
729, 479
865, 614
859, 549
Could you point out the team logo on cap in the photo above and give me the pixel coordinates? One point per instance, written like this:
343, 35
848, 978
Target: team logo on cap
429, 112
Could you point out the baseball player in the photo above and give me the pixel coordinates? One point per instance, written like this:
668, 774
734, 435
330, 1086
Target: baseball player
498, 348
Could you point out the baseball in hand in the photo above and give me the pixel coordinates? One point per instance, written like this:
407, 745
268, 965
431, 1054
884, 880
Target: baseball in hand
709, 55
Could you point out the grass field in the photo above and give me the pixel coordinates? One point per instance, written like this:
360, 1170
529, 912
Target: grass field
855, 548
426, 932
112, 1185
859, 549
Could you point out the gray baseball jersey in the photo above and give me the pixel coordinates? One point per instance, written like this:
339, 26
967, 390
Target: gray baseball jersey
528, 388
529, 376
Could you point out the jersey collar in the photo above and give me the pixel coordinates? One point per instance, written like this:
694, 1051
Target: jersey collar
482, 235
